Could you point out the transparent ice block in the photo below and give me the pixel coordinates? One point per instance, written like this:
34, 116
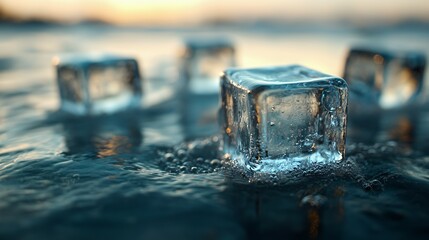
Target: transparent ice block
383, 78
94, 84
202, 63
276, 119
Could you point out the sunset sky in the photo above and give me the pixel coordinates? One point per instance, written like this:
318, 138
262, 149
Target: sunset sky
171, 12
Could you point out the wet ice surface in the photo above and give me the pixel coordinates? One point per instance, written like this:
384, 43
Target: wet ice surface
282, 118
91, 84
66, 179
386, 79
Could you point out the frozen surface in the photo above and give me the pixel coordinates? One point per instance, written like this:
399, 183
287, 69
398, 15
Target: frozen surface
93, 84
384, 78
276, 119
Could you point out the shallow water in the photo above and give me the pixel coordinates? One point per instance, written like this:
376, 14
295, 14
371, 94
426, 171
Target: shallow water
140, 175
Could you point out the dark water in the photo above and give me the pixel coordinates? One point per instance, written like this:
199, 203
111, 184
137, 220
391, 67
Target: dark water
134, 176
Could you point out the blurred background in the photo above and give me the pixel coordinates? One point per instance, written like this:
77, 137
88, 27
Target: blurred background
68, 178
316, 34
313, 33
201, 12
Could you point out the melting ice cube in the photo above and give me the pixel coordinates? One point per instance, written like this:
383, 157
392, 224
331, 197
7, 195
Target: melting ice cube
385, 78
93, 84
276, 119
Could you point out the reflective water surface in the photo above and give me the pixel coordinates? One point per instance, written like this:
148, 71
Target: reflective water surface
132, 175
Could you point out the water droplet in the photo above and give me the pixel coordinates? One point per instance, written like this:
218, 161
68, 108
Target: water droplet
373, 185
215, 139
272, 124
181, 153
214, 162
313, 200
169, 157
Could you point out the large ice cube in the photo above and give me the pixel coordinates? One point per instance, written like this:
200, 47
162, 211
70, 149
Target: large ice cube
275, 119
203, 62
383, 78
93, 84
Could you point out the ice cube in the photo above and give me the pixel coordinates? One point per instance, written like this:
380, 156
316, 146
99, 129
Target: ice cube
386, 79
276, 119
94, 83
202, 64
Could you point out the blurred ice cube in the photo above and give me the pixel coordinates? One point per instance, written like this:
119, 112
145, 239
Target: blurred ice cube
93, 84
384, 78
201, 66
275, 119
203, 62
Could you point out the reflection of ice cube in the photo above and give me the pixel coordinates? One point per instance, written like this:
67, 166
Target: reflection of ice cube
274, 119
387, 79
397, 126
421, 137
203, 63
93, 84
103, 136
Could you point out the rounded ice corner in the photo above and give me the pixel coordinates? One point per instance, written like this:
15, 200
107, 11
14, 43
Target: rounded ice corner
223, 77
228, 72
338, 82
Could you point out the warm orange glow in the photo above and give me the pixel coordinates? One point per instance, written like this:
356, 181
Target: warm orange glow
113, 146
115, 11
378, 59
151, 12
314, 220
403, 130
197, 11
